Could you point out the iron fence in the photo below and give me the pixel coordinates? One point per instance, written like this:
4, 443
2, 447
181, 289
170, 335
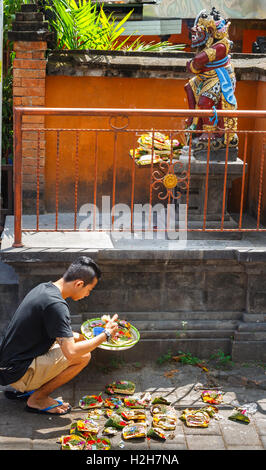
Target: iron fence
170, 180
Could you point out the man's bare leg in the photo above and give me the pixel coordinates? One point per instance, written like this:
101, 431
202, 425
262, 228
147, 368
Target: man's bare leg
40, 399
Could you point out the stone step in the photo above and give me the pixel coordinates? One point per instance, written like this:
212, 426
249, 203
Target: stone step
254, 317
202, 334
170, 334
29, 25
181, 327
178, 315
252, 326
29, 16
29, 7
249, 350
174, 326
250, 336
150, 349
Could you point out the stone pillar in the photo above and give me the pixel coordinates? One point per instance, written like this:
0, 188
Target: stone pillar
30, 35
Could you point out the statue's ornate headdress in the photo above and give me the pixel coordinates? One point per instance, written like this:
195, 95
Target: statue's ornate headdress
212, 25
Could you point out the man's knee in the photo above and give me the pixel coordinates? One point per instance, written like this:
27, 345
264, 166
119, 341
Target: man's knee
82, 361
87, 358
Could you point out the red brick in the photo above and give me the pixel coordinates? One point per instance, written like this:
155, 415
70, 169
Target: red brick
29, 64
33, 82
28, 91
30, 167
29, 73
18, 91
27, 144
36, 91
35, 119
16, 82
24, 55
29, 178
38, 100
26, 101
31, 125
30, 46
29, 135
30, 153
38, 54
17, 101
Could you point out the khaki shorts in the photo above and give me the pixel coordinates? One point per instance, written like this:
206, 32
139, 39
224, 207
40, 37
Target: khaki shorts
42, 369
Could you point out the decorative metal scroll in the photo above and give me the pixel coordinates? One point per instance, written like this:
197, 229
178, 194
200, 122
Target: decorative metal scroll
119, 122
169, 179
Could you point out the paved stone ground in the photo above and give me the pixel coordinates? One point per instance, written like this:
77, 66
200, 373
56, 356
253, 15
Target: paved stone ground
245, 383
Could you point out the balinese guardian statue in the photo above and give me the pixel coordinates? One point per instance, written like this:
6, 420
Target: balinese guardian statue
213, 84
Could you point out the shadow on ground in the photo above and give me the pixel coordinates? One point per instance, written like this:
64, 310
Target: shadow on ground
178, 383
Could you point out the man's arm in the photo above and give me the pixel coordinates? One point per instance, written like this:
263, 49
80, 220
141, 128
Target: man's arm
78, 336
74, 347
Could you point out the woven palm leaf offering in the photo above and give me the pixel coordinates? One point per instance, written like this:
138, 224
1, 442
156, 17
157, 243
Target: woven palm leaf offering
156, 433
135, 430
124, 387
212, 396
160, 400
72, 442
240, 415
113, 402
134, 415
95, 413
195, 418
167, 423
91, 401
115, 411
98, 444
85, 426
155, 147
116, 421
163, 410
110, 431
135, 403
126, 337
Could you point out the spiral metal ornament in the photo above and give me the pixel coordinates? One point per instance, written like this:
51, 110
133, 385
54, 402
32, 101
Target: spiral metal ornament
166, 179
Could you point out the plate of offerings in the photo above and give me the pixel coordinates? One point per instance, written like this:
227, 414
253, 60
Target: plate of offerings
126, 337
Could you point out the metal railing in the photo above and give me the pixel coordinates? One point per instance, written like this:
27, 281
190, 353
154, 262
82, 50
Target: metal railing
180, 174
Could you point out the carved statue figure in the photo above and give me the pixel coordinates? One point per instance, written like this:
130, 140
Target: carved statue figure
214, 82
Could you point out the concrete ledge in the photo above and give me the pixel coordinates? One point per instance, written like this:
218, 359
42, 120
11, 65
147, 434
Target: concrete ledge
67, 255
145, 65
218, 290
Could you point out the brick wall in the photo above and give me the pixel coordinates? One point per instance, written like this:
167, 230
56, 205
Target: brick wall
30, 36
29, 70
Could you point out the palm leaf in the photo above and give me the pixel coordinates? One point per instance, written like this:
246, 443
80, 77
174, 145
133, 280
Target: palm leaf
80, 25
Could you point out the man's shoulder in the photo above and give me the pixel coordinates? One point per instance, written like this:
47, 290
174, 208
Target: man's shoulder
46, 293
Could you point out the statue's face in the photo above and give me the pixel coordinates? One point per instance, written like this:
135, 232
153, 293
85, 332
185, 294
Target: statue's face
199, 36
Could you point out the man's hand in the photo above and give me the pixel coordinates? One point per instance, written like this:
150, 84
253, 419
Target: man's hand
112, 325
78, 337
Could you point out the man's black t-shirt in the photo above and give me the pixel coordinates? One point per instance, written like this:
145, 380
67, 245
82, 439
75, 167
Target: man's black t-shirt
42, 316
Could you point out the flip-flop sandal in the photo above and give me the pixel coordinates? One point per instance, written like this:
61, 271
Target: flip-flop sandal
16, 395
46, 410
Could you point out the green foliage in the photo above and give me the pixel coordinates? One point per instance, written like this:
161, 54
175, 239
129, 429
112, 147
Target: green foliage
164, 358
188, 358
222, 360
10, 7
81, 25
7, 117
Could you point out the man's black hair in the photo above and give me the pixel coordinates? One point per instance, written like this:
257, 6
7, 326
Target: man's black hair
83, 268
